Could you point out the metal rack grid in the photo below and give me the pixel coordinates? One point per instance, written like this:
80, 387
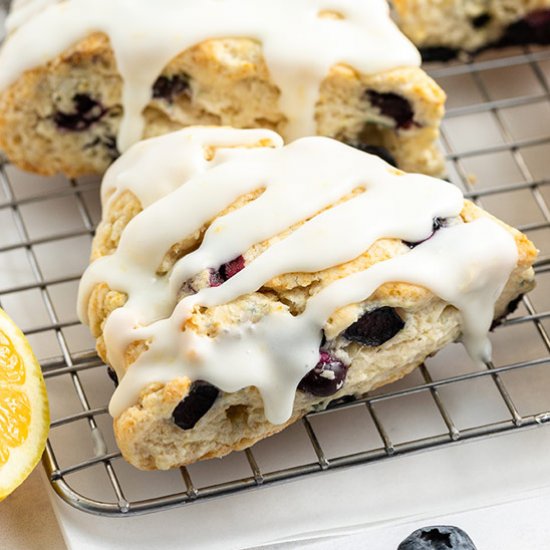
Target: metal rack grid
475, 97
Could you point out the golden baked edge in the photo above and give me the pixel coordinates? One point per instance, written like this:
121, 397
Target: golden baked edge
145, 432
229, 85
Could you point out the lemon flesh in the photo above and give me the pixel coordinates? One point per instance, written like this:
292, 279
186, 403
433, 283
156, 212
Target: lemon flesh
24, 411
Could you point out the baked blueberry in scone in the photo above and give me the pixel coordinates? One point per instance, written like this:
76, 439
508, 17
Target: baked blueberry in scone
444, 28
81, 80
256, 281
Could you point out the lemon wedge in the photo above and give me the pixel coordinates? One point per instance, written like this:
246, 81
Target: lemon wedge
24, 411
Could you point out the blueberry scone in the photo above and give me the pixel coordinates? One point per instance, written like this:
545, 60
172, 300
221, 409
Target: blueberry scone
444, 28
82, 80
255, 282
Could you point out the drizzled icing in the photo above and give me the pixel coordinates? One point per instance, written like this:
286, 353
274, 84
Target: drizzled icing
467, 265
301, 40
134, 169
23, 10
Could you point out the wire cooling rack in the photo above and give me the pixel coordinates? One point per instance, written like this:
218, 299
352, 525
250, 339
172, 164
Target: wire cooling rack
497, 139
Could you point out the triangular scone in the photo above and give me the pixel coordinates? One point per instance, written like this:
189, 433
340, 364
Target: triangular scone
81, 81
237, 284
444, 28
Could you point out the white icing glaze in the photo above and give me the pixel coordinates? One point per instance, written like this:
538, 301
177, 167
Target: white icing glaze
276, 353
23, 10
467, 265
299, 45
180, 155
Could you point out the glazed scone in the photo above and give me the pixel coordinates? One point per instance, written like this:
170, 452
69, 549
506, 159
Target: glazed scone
444, 28
256, 282
82, 80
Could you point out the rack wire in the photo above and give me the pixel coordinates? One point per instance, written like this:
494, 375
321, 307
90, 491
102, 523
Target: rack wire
77, 380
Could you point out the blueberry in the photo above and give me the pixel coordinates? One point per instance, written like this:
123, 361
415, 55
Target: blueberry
108, 143
195, 404
375, 327
437, 224
112, 375
534, 28
481, 21
510, 308
513, 305
538, 20
438, 53
393, 106
86, 112
170, 87
326, 378
226, 271
381, 152
233, 267
439, 537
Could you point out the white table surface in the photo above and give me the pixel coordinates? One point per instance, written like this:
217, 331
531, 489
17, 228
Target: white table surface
496, 489
27, 522
520, 524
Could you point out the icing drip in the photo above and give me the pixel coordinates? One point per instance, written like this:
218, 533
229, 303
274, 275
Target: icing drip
23, 10
466, 265
301, 41
179, 156
349, 200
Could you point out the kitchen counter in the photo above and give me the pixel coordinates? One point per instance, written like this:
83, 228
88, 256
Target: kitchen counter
27, 520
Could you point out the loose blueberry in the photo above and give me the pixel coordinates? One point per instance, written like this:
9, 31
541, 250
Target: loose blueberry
440, 537
326, 378
195, 405
87, 111
169, 88
481, 21
393, 106
226, 271
112, 375
375, 327
437, 224
381, 152
438, 53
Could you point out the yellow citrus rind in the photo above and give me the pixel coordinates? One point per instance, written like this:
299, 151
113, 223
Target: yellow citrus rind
24, 411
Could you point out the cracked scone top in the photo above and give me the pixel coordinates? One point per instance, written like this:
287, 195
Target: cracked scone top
236, 215
302, 40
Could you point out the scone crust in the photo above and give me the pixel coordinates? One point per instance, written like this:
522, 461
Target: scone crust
146, 433
229, 85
